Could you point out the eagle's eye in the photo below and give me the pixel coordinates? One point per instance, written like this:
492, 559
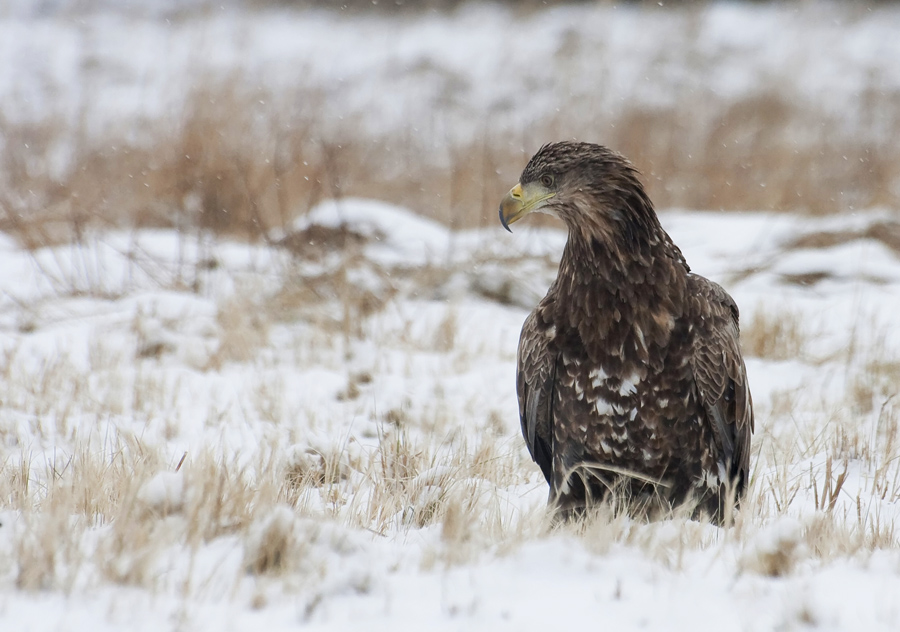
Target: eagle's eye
547, 180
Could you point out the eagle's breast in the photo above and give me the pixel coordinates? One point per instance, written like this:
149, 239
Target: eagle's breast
633, 406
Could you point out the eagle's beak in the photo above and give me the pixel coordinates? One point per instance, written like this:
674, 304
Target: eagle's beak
519, 202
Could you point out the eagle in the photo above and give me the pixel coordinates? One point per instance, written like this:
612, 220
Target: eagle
631, 384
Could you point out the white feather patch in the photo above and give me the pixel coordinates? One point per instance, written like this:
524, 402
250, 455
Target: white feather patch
721, 468
598, 376
608, 409
604, 408
629, 385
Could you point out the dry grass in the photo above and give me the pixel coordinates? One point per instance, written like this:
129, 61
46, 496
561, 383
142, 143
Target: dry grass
244, 163
885, 232
243, 332
760, 153
88, 517
775, 336
877, 383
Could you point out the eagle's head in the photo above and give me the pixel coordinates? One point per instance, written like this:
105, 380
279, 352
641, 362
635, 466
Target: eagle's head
590, 187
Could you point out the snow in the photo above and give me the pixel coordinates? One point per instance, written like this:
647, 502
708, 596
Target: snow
143, 368
202, 433
164, 493
398, 235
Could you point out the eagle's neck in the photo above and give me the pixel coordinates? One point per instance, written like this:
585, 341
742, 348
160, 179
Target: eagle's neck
620, 290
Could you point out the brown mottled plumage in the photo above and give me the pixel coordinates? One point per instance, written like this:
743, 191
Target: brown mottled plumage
630, 375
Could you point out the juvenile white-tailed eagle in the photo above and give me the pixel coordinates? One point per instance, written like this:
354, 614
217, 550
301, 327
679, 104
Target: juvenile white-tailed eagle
630, 376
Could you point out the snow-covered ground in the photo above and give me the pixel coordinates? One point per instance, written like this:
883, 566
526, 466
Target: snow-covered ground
201, 434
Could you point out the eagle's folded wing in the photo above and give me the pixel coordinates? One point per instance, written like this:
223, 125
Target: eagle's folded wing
721, 378
534, 384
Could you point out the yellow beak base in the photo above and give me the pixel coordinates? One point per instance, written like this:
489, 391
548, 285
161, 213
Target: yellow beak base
512, 207
520, 201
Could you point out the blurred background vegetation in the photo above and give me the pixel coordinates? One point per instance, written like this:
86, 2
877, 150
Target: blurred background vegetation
238, 155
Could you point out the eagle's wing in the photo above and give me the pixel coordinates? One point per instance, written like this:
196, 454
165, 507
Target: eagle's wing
535, 379
721, 377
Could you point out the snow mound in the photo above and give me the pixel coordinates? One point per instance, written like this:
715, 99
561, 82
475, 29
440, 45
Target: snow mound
163, 494
776, 549
849, 262
395, 233
281, 542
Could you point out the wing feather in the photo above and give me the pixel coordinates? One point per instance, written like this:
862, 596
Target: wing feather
535, 386
721, 377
